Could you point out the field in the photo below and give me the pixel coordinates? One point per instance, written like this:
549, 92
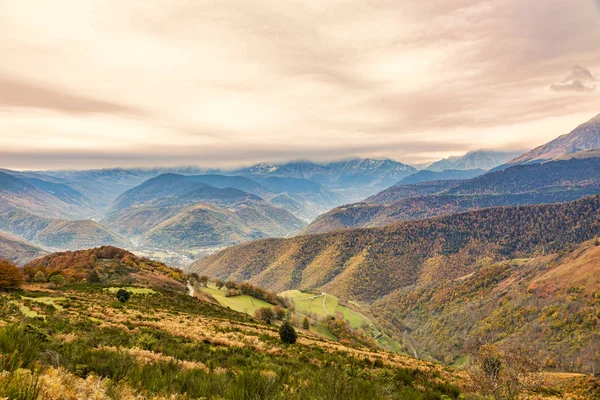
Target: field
323, 305
245, 304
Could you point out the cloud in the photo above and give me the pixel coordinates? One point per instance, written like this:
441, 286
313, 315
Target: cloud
238, 81
580, 79
18, 93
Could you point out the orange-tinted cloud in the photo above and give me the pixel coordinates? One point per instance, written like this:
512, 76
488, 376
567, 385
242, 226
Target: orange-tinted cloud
269, 79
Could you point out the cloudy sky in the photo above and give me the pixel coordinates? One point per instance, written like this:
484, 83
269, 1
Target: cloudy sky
87, 83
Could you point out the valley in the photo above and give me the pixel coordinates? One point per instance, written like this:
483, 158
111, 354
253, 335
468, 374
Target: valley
406, 288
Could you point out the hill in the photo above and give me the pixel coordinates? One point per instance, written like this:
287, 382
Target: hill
478, 159
446, 175
185, 211
58, 233
201, 225
16, 193
162, 342
112, 265
367, 264
548, 302
584, 137
17, 250
549, 182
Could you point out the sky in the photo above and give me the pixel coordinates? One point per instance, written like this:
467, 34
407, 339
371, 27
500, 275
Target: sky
223, 83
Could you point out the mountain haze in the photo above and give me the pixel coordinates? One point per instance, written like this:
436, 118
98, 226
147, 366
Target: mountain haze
478, 159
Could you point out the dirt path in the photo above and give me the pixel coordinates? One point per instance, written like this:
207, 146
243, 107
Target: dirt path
192, 291
325, 298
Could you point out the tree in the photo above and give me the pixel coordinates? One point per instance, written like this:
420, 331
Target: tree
203, 280
219, 283
10, 276
231, 285
39, 277
123, 295
279, 312
305, 323
264, 314
502, 373
94, 277
287, 333
58, 280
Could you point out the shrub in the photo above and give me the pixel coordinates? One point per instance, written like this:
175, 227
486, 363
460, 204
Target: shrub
287, 333
58, 280
39, 277
10, 276
279, 312
305, 323
265, 314
94, 277
123, 295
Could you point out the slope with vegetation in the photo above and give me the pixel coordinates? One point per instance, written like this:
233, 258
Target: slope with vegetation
506, 275
58, 233
90, 340
550, 302
17, 250
366, 264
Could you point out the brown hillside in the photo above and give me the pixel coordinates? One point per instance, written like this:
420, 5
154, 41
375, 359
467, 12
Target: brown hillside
367, 264
113, 265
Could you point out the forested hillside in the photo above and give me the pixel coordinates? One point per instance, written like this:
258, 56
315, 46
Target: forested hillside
551, 302
367, 264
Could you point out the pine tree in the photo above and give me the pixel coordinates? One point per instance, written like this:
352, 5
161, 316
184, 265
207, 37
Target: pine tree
305, 323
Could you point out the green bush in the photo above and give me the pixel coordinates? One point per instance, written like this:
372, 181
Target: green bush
287, 333
123, 295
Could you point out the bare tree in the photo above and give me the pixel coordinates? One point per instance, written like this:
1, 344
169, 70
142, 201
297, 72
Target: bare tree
502, 372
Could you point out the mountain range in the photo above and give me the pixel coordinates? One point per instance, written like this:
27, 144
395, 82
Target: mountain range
550, 182
478, 159
188, 209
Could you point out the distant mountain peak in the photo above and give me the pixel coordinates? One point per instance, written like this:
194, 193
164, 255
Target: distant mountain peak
475, 159
585, 137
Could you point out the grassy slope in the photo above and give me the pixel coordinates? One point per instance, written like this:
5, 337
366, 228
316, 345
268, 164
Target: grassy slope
307, 304
169, 343
243, 303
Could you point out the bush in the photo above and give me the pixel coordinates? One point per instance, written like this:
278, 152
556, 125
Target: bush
123, 295
264, 314
94, 277
287, 333
305, 323
58, 280
39, 277
10, 276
